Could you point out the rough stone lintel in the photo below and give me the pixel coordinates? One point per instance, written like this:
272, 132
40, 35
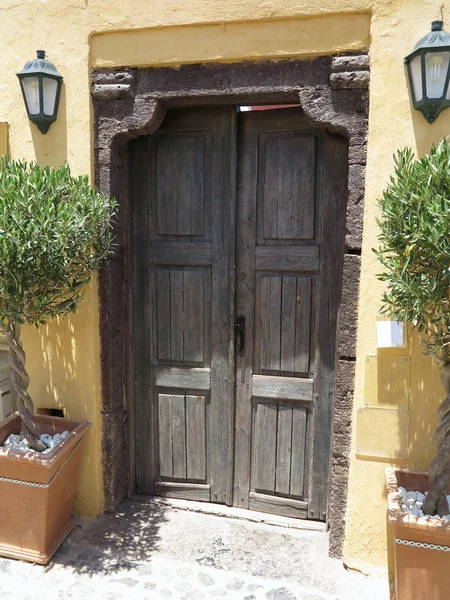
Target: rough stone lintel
142, 117
340, 111
343, 404
350, 80
340, 453
358, 62
355, 207
348, 317
357, 154
111, 91
115, 457
337, 507
107, 77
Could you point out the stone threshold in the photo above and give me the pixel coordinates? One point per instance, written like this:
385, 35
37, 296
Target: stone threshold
231, 512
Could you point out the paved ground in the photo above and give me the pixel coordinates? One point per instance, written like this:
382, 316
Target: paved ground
151, 551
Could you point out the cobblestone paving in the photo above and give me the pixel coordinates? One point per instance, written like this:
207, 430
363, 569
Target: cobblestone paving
149, 551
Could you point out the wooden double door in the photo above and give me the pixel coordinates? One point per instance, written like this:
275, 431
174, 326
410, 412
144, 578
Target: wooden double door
238, 243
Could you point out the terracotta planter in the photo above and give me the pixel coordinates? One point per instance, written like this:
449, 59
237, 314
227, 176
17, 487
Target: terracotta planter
420, 572
35, 519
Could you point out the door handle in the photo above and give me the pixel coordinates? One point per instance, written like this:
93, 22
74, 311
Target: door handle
240, 333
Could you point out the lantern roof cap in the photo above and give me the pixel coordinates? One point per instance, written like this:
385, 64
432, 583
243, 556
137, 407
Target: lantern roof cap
437, 38
40, 65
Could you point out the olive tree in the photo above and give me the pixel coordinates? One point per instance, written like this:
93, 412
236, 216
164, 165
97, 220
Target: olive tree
55, 230
415, 253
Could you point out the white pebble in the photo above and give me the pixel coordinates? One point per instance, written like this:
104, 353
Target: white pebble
412, 504
402, 492
19, 447
46, 438
17, 442
12, 439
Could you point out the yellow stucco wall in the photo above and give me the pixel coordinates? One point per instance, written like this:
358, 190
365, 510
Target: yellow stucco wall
63, 357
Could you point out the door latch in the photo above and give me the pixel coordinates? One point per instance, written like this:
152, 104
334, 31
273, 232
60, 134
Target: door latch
240, 334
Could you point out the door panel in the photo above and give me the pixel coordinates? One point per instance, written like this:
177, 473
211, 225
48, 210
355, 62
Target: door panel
279, 448
181, 208
183, 315
183, 236
182, 437
283, 323
282, 296
287, 190
278, 261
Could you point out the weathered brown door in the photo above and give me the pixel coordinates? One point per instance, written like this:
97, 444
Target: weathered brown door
290, 232
235, 321
183, 204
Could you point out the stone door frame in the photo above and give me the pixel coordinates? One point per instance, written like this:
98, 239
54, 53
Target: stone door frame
129, 103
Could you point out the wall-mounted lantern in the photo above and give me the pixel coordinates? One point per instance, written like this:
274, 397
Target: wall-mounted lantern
429, 70
41, 89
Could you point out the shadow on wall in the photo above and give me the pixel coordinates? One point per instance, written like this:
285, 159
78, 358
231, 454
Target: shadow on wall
51, 148
61, 364
122, 541
426, 395
58, 363
403, 378
417, 387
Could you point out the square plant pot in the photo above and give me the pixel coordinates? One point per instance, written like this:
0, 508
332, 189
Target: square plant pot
37, 490
422, 544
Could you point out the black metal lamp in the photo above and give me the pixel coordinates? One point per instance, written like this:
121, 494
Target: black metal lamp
429, 71
41, 89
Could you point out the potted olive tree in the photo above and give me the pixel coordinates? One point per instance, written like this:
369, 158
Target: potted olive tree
415, 253
55, 231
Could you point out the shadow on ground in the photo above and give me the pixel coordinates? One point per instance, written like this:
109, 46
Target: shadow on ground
122, 541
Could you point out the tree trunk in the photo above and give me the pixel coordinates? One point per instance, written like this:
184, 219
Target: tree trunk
436, 500
20, 380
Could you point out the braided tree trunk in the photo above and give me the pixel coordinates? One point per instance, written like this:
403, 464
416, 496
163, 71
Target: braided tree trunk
21, 380
436, 500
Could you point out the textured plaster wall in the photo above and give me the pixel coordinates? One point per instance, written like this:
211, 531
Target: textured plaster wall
63, 357
392, 123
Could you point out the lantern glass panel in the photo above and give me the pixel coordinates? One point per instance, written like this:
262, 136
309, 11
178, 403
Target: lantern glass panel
31, 89
49, 88
416, 74
436, 67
